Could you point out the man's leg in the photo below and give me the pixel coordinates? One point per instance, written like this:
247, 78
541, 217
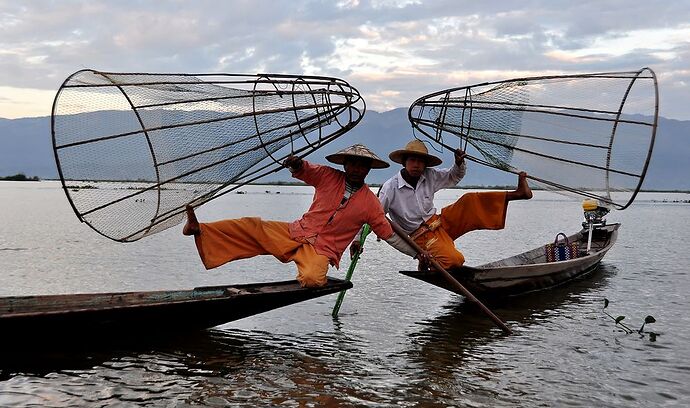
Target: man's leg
228, 240
441, 247
192, 225
522, 192
475, 211
312, 267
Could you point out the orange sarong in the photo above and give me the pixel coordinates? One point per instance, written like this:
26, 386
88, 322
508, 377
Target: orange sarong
472, 211
228, 240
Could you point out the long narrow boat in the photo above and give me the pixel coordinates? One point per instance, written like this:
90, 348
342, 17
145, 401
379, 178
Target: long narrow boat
48, 317
529, 271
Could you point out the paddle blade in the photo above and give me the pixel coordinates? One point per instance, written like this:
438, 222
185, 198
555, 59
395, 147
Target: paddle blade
133, 149
588, 134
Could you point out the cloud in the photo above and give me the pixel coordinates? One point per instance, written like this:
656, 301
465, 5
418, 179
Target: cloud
392, 50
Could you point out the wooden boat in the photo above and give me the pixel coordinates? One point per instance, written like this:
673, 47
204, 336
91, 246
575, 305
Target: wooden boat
50, 317
529, 271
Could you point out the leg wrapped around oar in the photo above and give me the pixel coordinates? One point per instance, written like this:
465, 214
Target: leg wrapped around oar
452, 281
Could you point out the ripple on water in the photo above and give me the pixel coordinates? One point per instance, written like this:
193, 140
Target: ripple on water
397, 342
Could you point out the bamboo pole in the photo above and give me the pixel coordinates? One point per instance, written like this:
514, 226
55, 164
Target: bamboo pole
451, 280
348, 276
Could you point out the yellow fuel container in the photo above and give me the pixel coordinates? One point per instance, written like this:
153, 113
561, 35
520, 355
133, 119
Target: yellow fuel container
590, 204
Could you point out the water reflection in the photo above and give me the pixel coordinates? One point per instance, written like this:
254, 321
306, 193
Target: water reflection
463, 325
214, 367
46, 358
321, 369
179, 368
463, 337
398, 342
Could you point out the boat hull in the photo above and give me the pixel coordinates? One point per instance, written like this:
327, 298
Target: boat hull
135, 314
529, 271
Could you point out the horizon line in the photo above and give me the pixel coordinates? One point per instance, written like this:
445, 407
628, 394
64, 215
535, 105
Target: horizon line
368, 110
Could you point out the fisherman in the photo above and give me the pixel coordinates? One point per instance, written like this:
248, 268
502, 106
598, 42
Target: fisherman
342, 204
408, 197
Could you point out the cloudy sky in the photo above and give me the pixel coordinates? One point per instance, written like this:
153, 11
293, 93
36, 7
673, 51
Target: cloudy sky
393, 51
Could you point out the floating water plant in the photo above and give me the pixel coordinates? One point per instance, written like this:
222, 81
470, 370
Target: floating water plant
623, 327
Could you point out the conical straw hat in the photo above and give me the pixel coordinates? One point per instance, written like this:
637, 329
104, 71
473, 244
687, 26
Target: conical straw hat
358, 150
417, 148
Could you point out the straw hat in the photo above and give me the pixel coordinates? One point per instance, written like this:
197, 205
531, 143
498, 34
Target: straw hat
417, 148
357, 150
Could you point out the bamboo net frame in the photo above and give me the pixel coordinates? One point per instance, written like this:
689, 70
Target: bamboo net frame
133, 149
586, 134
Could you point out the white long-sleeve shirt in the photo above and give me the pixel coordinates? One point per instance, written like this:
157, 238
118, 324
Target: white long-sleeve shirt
409, 206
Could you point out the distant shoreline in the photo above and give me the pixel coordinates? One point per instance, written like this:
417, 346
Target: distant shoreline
467, 187
297, 184
19, 177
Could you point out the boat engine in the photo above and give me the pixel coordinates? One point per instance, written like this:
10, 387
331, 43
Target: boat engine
594, 218
594, 214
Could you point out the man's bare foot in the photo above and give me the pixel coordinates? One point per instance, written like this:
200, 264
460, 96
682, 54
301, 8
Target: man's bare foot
192, 225
523, 191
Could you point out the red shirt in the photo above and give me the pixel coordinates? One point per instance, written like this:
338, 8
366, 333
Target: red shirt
330, 226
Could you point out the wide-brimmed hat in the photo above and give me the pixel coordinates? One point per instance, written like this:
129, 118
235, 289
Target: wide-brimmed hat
358, 150
417, 148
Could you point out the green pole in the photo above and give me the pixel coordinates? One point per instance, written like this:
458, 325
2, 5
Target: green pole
348, 276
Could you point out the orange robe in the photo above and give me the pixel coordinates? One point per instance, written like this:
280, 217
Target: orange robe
313, 242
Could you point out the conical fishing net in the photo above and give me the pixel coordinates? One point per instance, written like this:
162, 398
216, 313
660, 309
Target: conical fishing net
589, 134
134, 149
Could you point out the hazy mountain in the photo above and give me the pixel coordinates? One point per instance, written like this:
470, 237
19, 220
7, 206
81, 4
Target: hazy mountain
26, 147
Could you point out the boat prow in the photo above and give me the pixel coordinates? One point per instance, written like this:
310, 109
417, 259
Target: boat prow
135, 314
529, 271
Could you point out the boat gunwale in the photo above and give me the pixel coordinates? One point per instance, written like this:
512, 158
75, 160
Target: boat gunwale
483, 278
610, 229
242, 290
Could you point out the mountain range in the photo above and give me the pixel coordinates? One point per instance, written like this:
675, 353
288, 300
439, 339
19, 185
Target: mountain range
26, 147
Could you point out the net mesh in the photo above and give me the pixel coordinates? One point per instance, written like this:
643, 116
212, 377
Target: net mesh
134, 149
589, 134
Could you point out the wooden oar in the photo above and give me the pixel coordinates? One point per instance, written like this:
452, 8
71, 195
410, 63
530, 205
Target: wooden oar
348, 276
453, 282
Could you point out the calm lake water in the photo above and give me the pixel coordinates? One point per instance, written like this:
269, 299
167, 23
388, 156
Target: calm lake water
397, 341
